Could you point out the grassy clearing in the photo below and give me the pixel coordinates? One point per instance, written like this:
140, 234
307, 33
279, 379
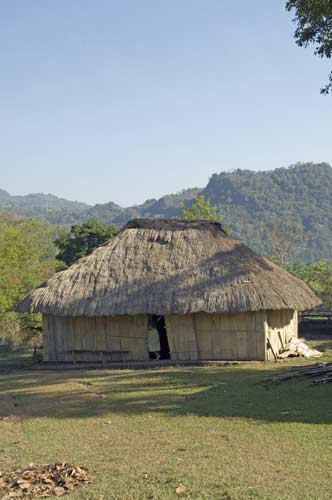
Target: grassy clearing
218, 431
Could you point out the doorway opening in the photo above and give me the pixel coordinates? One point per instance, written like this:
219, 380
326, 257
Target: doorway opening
157, 338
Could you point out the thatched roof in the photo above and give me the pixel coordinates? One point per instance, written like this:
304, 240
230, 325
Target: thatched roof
169, 266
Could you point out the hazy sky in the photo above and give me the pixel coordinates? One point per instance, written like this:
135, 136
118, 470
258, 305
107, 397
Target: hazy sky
126, 100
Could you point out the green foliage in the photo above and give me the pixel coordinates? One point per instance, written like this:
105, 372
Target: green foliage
82, 239
290, 200
10, 328
26, 259
314, 27
43, 207
318, 275
201, 209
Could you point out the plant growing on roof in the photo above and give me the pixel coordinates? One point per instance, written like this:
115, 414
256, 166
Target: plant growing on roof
201, 209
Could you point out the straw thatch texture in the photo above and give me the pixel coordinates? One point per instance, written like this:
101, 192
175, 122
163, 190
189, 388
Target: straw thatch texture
169, 267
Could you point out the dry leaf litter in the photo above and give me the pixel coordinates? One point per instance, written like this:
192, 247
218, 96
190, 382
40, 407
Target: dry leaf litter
40, 481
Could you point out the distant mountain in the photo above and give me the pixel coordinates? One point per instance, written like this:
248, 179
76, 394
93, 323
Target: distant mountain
43, 206
4, 196
168, 206
259, 207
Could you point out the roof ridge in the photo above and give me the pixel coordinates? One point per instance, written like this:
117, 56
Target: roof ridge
175, 225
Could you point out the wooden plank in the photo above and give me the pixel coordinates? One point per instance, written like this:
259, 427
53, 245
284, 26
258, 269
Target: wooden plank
272, 349
282, 325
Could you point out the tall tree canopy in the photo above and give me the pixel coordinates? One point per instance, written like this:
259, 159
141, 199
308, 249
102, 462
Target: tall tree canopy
314, 26
27, 258
82, 239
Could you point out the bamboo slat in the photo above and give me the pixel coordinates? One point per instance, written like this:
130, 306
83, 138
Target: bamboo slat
124, 338
282, 325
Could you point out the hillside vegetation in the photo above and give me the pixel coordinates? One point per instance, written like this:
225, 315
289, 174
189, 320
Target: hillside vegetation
43, 206
283, 211
27, 258
288, 203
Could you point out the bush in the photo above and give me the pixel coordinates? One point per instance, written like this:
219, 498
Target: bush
10, 329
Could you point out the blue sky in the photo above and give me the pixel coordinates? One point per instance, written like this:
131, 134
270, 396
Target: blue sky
126, 100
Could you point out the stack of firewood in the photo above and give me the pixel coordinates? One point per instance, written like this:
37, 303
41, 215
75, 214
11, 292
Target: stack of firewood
320, 372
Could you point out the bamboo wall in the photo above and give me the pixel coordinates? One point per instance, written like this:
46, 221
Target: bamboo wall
106, 338
230, 336
284, 321
240, 336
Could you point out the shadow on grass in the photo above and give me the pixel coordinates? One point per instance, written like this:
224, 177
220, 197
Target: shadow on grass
325, 346
321, 342
17, 360
232, 392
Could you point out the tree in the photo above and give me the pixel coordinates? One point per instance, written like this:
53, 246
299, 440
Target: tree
26, 260
23, 264
319, 276
283, 238
82, 239
314, 26
201, 209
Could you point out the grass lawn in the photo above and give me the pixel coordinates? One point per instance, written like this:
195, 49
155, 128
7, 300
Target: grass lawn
218, 431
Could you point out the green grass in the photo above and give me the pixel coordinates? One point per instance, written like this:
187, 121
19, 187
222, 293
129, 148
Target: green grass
218, 431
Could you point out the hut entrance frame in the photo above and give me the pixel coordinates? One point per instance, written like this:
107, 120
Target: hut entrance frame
158, 345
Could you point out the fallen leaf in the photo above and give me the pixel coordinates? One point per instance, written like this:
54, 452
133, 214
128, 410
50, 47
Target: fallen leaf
59, 491
181, 489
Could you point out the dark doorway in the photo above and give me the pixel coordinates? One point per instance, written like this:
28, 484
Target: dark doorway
164, 347
158, 347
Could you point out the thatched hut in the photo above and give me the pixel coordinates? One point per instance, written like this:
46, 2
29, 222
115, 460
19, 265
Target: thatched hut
209, 296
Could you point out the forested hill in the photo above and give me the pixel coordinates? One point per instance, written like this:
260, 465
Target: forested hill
43, 206
168, 206
293, 204
289, 208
